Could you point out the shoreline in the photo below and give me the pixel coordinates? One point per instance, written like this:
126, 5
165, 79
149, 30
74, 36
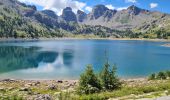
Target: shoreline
166, 45
55, 89
68, 80
72, 38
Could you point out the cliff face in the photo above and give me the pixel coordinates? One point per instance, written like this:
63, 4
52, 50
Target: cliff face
133, 18
81, 16
68, 15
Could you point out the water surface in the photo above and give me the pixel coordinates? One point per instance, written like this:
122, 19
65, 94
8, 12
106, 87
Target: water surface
66, 59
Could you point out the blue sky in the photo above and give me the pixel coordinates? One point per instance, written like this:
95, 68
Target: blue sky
86, 5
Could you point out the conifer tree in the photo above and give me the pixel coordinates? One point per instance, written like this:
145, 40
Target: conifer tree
89, 82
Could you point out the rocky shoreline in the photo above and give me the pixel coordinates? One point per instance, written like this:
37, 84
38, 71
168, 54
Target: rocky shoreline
36, 89
166, 45
52, 89
81, 38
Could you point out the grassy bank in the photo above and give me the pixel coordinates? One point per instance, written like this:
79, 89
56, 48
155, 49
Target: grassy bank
65, 90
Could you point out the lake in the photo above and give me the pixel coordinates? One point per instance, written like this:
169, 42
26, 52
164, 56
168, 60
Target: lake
67, 59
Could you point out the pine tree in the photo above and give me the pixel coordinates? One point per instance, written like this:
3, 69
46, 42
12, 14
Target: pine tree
108, 78
161, 75
152, 76
89, 83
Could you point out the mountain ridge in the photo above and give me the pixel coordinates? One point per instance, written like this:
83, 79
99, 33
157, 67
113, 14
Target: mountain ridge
101, 21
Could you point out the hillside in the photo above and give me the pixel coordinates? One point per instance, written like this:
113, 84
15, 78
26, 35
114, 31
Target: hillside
25, 21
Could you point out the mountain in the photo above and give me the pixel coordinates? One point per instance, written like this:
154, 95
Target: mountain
130, 18
81, 16
20, 20
68, 15
97, 12
50, 13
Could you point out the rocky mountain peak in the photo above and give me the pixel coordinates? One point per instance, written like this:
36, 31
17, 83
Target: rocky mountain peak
50, 13
80, 12
134, 10
98, 11
67, 9
68, 15
81, 16
109, 14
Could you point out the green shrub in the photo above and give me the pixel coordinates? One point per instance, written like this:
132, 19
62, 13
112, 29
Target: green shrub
152, 76
108, 78
161, 75
89, 82
168, 73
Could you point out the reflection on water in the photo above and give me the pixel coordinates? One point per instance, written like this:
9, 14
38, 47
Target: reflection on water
66, 59
13, 58
60, 61
32, 59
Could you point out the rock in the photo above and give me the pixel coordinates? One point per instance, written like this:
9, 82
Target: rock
28, 84
43, 97
166, 92
2, 89
71, 84
60, 81
81, 16
24, 89
98, 11
68, 15
10, 88
36, 83
52, 87
109, 14
30, 93
134, 10
50, 13
8, 80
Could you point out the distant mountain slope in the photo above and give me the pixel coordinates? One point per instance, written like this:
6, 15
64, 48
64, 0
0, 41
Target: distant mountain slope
20, 20
132, 17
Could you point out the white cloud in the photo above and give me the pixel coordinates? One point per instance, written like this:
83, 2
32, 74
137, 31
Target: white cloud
89, 9
57, 5
153, 5
117, 8
131, 1
121, 8
110, 6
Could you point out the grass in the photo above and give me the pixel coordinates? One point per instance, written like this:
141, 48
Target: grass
148, 89
157, 89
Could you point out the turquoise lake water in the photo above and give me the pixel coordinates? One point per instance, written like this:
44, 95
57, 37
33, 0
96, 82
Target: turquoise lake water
66, 59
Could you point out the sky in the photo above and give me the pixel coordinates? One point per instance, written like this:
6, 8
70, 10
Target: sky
86, 5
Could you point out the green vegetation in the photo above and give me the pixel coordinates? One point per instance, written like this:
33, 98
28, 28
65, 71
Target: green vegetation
152, 76
12, 97
92, 86
127, 91
149, 89
90, 83
160, 75
108, 78
14, 26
